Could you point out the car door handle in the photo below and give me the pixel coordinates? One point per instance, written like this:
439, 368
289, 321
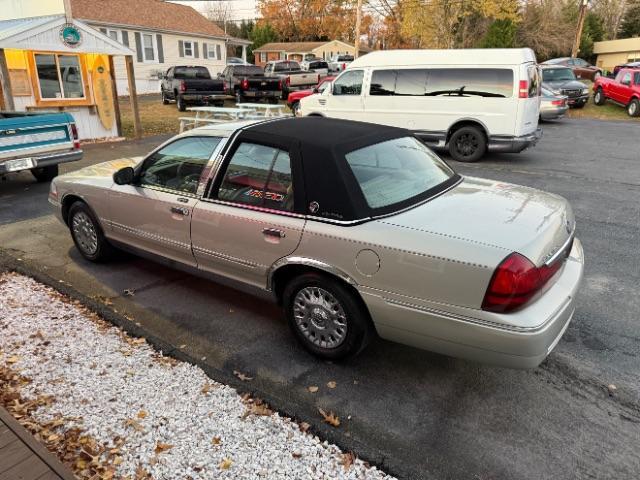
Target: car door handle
180, 210
273, 232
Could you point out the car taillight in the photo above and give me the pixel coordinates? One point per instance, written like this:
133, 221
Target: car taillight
279, 84
245, 84
557, 102
523, 91
183, 86
74, 136
344, 65
516, 281
288, 81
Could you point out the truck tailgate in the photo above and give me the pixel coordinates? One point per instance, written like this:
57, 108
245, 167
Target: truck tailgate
34, 134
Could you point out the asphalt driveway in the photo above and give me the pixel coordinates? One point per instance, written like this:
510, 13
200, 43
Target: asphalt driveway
417, 414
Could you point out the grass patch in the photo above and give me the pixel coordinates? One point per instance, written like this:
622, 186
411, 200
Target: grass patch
156, 118
608, 111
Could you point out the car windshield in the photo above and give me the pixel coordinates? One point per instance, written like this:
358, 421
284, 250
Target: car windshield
397, 170
557, 74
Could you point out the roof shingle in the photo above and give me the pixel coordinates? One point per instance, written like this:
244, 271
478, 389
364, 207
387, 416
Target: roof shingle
155, 14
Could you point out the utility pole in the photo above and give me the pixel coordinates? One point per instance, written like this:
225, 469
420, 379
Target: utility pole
358, 22
581, 17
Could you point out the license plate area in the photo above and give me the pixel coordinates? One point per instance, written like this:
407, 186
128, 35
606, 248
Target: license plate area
19, 164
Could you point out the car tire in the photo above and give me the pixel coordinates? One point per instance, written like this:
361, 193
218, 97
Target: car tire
633, 109
295, 108
311, 301
579, 105
45, 174
467, 144
165, 100
599, 97
87, 234
181, 104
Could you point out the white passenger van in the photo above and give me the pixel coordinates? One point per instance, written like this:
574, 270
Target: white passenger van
468, 101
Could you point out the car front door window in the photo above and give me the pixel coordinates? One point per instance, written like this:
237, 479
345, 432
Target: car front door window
260, 176
179, 165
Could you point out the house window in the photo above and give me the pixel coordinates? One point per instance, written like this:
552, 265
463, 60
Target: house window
149, 47
59, 76
263, 56
188, 49
211, 51
113, 35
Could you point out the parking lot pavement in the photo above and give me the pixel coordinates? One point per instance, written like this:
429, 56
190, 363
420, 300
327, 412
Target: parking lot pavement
418, 414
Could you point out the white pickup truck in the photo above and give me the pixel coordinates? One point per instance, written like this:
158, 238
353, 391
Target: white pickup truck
291, 75
338, 63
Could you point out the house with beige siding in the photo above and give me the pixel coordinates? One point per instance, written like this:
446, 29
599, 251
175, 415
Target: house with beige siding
300, 50
161, 34
616, 52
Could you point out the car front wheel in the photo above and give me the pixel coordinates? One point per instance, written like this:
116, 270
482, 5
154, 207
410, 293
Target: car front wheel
599, 97
467, 144
165, 100
328, 319
633, 109
45, 174
87, 234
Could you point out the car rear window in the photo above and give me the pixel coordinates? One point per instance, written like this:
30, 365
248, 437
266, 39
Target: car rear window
318, 65
191, 72
345, 58
282, 66
397, 170
248, 70
465, 82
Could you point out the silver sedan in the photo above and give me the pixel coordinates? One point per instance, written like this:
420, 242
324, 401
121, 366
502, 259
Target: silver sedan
552, 106
356, 229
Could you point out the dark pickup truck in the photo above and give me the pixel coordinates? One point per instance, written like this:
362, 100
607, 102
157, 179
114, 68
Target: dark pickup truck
249, 82
38, 142
191, 85
293, 78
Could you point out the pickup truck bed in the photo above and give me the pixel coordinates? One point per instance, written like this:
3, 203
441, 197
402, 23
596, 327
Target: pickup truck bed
293, 78
188, 85
623, 90
38, 142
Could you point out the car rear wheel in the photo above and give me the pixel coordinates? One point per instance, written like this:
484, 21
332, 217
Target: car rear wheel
599, 98
45, 174
87, 234
467, 144
181, 104
633, 109
327, 318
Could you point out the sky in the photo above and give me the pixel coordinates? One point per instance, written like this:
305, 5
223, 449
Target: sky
240, 9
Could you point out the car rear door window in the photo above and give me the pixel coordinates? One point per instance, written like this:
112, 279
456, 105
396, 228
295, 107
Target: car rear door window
411, 82
486, 82
178, 166
349, 83
260, 176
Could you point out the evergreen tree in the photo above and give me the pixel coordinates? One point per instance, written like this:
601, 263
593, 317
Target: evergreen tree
501, 34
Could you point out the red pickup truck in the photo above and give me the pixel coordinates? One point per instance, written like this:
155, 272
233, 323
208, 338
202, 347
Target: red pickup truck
623, 90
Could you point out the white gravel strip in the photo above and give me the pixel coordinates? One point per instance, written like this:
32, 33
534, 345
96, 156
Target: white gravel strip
104, 381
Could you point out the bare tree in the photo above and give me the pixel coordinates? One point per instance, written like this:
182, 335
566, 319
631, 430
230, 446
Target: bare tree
611, 12
220, 13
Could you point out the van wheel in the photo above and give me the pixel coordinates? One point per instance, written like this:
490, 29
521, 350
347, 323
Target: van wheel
467, 144
599, 98
181, 104
633, 109
327, 319
45, 174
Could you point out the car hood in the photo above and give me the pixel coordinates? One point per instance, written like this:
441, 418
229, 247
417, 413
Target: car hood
494, 215
564, 84
101, 170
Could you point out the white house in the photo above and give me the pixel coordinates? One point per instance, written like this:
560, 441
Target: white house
161, 34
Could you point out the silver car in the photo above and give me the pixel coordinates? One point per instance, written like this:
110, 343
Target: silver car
356, 229
552, 106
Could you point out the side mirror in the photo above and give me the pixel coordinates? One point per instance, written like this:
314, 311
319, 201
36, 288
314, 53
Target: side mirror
124, 176
315, 89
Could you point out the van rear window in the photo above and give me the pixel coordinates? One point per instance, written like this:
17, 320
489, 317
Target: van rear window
459, 82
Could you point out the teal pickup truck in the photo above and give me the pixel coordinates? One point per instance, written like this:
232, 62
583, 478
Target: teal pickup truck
38, 142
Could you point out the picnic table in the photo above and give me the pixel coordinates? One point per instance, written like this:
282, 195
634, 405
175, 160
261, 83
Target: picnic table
214, 115
265, 110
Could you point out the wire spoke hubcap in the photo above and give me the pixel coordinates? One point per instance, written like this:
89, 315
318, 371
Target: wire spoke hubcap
320, 317
85, 233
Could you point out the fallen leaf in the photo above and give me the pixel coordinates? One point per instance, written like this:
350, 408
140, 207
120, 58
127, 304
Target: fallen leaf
205, 388
330, 418
142, 414
312, 389
216, 440
304, 427
13, 359
331, 384
225, 464
242, 376
134, 424
138, 341
296, 454
347, 460
162, 447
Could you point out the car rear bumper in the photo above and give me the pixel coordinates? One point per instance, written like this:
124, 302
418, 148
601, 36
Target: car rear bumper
578, 101
261, 93
45, 160
512, 144
204, 96
522, 339
553, 112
